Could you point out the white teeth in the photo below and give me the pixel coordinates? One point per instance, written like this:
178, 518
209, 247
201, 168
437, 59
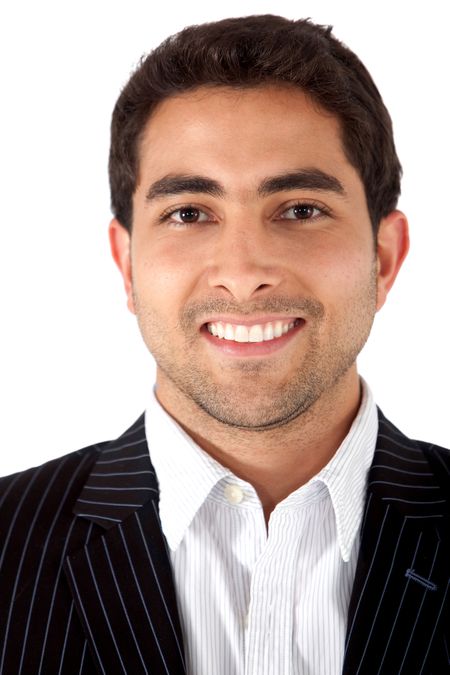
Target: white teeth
278, 329
255, 333
229, 332
268, 331
241, 334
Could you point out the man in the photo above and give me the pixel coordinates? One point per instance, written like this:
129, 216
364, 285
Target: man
263, 516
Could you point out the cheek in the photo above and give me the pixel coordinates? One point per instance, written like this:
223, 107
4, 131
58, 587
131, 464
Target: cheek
330, 266
162, 277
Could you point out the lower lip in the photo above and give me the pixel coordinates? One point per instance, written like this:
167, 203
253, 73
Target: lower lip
247, 349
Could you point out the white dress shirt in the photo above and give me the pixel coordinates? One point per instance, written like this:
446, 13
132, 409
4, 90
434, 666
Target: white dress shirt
257, 601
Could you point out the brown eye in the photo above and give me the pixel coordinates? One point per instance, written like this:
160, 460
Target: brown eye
185, 215
189, 214
303, 211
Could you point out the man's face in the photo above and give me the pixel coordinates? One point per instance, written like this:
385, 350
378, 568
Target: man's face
249, 221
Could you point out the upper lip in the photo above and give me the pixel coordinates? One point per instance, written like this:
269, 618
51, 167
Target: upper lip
250, 321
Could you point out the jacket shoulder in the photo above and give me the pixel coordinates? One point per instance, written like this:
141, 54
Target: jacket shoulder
43, 497
44, 473
439, 460
422, 455
46, 490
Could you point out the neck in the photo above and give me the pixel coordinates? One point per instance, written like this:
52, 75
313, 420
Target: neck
275, 461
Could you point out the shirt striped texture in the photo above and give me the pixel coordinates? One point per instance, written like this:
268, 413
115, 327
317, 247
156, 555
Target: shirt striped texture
253, 601
86, 583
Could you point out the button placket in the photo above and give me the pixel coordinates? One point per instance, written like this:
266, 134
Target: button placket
270, 632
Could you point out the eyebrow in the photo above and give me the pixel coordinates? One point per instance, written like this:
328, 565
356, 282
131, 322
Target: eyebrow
309, 179
175, 184
304, 179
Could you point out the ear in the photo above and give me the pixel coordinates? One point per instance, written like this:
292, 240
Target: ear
120, 241
392, 248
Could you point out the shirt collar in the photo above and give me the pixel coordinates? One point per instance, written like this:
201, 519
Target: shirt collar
186, 474
345, 475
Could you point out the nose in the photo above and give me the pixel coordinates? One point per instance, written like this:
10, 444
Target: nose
244, 263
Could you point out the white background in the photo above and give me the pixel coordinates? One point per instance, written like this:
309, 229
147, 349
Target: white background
73, 368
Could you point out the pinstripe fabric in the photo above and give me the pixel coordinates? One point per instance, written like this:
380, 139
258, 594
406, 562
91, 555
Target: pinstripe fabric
83, 588
262, 601
37, 619
86, 585
398, 617
122, 582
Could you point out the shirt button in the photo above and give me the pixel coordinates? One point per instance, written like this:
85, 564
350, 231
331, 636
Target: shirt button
234, 494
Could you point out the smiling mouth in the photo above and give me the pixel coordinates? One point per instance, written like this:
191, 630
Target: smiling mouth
255, 333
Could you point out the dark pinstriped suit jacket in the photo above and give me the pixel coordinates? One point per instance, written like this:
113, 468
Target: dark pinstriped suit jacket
86, 585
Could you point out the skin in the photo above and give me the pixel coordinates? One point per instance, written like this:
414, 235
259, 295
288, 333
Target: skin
274, 419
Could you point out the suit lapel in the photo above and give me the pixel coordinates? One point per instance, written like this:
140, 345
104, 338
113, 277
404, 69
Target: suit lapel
401, 578
122, 580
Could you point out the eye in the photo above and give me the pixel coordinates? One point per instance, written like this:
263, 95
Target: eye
302, 211
186, 215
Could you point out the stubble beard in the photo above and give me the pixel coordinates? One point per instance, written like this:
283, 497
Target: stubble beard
249, 395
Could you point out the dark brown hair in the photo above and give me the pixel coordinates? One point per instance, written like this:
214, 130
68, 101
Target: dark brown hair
248, 52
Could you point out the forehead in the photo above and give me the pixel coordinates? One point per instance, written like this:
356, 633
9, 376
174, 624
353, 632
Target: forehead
242, 134
207, 109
